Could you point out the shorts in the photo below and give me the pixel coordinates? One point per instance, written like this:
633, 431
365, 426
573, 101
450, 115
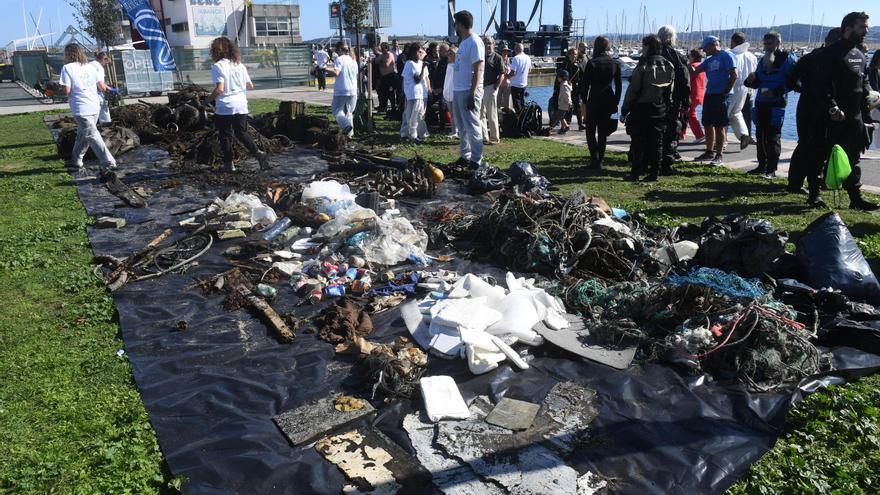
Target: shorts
715, 111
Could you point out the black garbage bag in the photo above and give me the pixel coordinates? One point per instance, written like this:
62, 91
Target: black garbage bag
750, 247
487, 179
828, 256
525, 179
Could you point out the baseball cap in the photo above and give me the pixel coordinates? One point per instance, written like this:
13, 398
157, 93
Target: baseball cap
562, 73
708, 40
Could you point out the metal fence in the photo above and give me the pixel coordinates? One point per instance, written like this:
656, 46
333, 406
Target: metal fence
269, 67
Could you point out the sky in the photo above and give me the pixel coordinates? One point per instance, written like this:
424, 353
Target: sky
429, 16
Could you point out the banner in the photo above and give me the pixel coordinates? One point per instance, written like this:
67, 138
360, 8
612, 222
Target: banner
147, 23
209, 21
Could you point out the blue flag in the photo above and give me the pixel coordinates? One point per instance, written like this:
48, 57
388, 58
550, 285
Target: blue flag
147, 23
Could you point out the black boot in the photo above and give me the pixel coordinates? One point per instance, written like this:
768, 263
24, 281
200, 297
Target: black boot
816, 202
229, 168
863, 205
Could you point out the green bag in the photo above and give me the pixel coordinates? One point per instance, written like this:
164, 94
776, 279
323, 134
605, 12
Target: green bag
838, 168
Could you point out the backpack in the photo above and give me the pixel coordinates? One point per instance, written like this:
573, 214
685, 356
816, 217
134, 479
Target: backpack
530, 120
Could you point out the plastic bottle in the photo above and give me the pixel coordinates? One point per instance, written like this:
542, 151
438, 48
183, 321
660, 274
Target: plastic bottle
287, 235
266, 290
278, 227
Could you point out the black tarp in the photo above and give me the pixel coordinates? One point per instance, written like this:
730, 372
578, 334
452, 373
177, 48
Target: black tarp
211, 390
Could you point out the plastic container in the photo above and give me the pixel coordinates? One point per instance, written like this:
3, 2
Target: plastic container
267, 291
277, 228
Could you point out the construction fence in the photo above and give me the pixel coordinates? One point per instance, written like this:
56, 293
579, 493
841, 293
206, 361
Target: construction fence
269, 67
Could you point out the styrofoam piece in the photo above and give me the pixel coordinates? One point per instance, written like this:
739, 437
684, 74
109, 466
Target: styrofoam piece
442, 398
614, 225
519, 315
510, 353
304, 245
474, 286
445, 340
287, 255
481, 361
416, 324
288, 267
458, 312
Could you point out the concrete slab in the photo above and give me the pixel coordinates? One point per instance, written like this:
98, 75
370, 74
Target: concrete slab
513, 414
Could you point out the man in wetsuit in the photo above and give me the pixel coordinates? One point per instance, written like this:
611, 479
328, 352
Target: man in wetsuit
841, 89
805, 160
676, 116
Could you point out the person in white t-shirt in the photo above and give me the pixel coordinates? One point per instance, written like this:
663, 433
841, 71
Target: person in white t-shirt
415, 87
232, 81
520, 66
467, 83
345, 70
100, 62
80, 83
448, 86
321, 60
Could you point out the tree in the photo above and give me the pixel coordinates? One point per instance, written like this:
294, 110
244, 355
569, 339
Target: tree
355, 14
98, 18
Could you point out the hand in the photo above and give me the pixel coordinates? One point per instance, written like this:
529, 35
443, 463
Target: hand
837, 114
113, 90
750, 79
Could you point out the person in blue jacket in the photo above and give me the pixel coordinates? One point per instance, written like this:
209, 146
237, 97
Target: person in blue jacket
770, 81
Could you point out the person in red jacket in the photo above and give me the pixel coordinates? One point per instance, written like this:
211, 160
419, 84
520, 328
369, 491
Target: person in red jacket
698, 88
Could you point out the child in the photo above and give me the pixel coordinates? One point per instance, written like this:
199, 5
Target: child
231, 105
415, 87
448, 89
563, 103
80, 83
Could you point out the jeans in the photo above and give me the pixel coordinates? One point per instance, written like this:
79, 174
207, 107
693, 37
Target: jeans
518, 95
342, 108
229, 125
489, 114
467, 121
412, 125
321, 74
87, 135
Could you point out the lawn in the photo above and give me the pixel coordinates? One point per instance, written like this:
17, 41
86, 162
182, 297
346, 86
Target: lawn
70, 414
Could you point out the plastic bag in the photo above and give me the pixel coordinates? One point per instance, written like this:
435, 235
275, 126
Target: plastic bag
838, 168
344, 220
328, 197
828, 256
396, 241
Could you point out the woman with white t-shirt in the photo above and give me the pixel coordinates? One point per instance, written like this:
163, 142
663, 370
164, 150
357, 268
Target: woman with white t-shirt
415, 86
232, 81
80, 83
345, 88
101, 61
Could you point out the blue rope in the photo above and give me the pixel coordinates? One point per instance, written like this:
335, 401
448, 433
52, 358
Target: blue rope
729, 284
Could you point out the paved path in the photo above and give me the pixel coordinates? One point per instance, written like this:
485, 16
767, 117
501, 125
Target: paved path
13, 97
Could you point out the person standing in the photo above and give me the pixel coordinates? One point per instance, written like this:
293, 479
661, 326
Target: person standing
468, 88
720, 69
231, 82
415, 87
321, 60
575, 73
79, 82
387, 79
563, 102
698, 89
345, 70
519, 77
770, 81
580, 104
803, 163
681, 95
600, 89
448, 92
395, 50
874, 82
100, 62
492, 77
742, 98
841, 87
647, 101
504, 89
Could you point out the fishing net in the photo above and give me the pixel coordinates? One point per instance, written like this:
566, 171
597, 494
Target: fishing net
729, 284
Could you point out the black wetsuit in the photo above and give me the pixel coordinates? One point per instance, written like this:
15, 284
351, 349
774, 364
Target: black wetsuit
600, 88
676, 115
843, 82
804, 164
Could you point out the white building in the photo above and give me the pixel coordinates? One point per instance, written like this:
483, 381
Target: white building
194, 23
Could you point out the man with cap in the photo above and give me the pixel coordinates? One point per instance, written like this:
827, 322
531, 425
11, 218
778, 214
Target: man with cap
720, 69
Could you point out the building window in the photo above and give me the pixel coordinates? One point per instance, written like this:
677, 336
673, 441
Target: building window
272, 26
180, 27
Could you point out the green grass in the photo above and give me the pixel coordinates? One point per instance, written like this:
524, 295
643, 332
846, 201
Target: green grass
71, 419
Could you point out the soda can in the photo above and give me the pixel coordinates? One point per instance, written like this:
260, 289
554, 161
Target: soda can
315, 296
334, 290
341, 281
352, 273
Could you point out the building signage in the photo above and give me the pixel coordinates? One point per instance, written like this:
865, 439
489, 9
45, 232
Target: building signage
208, 21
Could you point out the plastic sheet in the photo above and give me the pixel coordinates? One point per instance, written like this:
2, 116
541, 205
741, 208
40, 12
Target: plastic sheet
211, 390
